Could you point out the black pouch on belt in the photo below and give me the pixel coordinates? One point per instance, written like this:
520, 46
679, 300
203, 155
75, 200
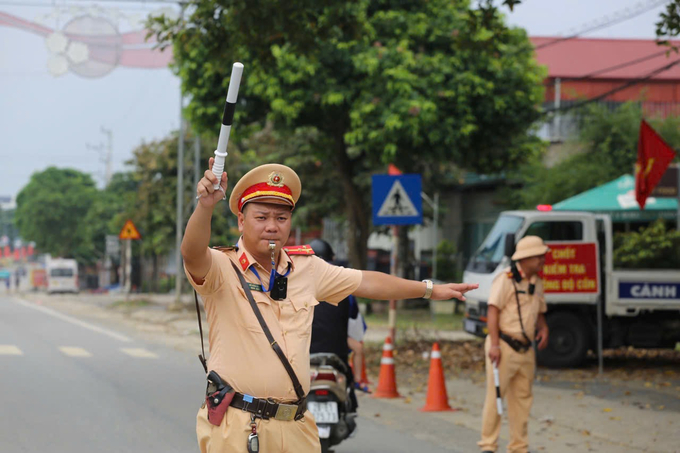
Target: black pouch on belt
218, 396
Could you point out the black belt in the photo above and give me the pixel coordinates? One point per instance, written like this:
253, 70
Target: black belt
514, 343
266, 409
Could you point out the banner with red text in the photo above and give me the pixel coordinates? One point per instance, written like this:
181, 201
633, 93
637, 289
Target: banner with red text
571, 268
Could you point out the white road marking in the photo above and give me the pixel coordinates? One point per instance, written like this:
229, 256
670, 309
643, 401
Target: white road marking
73, 320
74, 351
8, 349
139, 353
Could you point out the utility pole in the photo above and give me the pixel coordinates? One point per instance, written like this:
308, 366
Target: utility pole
179, 222
105, 156
197, 163
109, 155
180, 202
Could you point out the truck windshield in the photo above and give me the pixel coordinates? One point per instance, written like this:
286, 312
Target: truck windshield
61, 272
490, 253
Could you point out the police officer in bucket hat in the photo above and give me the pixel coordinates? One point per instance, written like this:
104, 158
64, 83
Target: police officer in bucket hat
259, 298
515, 319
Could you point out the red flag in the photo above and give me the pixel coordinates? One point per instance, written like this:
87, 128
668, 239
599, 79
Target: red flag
654, 155
393, 170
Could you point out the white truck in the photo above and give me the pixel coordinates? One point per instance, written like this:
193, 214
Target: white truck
640, 308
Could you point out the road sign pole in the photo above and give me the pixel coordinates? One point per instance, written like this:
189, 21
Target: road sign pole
392, 323
128, 267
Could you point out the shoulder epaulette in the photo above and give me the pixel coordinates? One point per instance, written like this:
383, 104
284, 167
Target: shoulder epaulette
299, 250
231, 248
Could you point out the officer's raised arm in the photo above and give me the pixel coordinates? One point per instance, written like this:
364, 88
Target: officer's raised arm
378, 285
195, 252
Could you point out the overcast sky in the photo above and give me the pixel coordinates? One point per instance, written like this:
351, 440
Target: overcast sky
47, 120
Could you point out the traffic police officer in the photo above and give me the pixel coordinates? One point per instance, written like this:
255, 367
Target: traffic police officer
263, 200
516, 309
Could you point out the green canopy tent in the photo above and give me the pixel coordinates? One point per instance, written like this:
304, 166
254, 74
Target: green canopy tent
617, 198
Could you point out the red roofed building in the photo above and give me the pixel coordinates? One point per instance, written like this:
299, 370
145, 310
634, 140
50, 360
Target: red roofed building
581, 68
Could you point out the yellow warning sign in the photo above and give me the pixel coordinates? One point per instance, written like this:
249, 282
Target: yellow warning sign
129, 231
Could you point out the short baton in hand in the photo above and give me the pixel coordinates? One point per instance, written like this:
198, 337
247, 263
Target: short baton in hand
227, 119
496, 380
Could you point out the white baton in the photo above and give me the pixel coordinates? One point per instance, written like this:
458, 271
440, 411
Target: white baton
227, 119
496, 380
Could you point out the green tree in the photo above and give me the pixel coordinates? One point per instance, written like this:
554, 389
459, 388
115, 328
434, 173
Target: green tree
604, 149
653, 247
52, 210
418, 84
102, 217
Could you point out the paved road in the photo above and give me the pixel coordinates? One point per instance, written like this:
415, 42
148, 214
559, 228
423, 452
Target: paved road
71, 386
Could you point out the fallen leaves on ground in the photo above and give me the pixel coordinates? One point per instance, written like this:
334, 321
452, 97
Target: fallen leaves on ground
651, 368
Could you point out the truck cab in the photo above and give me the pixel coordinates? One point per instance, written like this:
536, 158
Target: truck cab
639, 307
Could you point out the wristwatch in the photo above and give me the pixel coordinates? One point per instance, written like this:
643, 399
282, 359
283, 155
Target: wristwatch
429, 286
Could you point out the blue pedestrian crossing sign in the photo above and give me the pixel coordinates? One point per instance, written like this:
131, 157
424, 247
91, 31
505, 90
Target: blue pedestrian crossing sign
396, 200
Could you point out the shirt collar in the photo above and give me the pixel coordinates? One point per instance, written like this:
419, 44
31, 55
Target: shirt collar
524, 276
246, 260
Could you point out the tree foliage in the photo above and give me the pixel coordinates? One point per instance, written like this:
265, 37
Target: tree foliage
653, 247
423, 85
52, 210
604, 149
668, 25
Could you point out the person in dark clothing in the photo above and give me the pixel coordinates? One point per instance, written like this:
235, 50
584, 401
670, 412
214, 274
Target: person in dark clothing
329, 327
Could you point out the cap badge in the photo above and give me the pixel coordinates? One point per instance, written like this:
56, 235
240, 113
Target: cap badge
275, 179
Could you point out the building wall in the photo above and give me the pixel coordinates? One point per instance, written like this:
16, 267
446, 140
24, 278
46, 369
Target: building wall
665, 91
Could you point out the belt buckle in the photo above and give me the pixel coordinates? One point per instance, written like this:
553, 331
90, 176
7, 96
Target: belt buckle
285, 412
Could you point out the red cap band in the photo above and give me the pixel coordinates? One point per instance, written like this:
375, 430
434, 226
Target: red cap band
265, 190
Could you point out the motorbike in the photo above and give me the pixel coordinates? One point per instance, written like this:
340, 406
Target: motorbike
329, 399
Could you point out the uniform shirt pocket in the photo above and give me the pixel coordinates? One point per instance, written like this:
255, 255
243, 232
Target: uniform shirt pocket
302, 314
247, 316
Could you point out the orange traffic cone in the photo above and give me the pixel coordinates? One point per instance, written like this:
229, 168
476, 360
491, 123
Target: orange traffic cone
437, 400
387, 383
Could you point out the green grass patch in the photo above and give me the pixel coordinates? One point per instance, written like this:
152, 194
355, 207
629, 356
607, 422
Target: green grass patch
132, 303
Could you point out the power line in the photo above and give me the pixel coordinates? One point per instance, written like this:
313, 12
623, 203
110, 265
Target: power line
615, 67
614, 90
624, 16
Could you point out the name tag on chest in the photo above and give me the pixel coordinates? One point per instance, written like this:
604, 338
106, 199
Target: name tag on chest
255, 287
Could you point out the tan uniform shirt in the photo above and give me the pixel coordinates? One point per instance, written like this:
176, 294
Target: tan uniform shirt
239, 350
503, 296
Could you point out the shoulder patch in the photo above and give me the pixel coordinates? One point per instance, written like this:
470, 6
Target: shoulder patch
299, 250
231, 248
508, 274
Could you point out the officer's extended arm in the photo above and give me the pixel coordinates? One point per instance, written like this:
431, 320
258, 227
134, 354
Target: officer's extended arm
381, 286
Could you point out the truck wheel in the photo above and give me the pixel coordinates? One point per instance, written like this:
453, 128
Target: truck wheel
325, 445
567, 341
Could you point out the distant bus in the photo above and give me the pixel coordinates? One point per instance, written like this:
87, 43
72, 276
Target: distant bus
62, 276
